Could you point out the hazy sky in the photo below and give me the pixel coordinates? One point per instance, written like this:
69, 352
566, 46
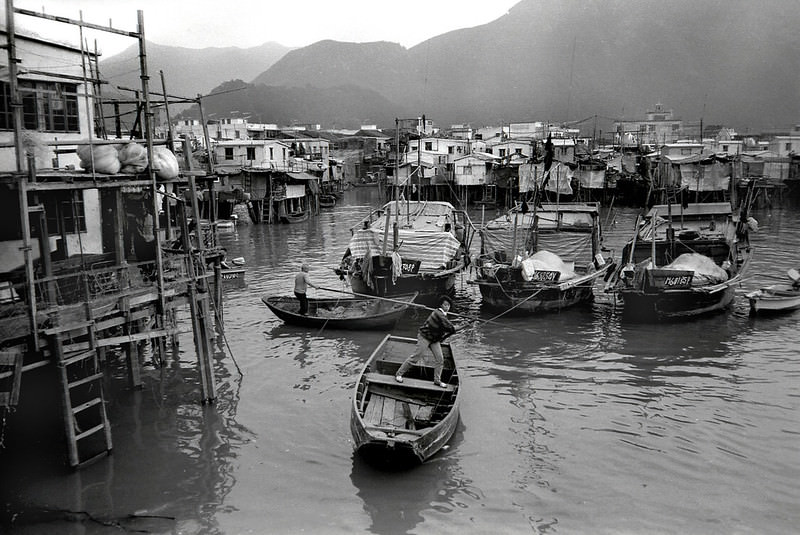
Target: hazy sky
247, 23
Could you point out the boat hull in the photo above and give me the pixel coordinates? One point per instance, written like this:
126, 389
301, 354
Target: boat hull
774, 300
532, 298
349, 314
387, 422
646, 306
429, 288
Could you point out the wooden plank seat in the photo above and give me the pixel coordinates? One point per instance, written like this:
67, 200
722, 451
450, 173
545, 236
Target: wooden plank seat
408, 382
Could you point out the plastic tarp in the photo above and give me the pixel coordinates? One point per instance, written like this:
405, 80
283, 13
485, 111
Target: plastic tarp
705, 270
547, 261
712, 176
575, 246
433, 249
591, 178
532, 175
295, 191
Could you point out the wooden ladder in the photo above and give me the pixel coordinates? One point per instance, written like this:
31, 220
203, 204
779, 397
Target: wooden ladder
86, 423
10, 375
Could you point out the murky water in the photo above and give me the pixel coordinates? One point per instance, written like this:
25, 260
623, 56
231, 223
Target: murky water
570, 423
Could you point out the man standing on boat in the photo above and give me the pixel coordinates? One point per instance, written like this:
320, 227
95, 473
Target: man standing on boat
430, 335
301, 284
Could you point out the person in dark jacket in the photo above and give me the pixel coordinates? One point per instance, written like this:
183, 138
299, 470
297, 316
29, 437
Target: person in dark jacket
429, 337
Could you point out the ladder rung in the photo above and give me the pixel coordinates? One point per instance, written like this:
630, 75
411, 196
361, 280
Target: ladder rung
80, 356
69, 327
93, 459
91, 431
84, 406
87, 379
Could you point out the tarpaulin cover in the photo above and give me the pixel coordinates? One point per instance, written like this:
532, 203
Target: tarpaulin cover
705, 270
433, 249
566, 244
711, 176
295, 191
591, 179
547, 261
532, 175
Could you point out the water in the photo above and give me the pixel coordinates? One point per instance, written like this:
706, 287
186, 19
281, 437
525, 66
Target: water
570, 423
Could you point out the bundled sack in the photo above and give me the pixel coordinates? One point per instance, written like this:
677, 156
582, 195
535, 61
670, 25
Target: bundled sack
133, 158
547, 261
106, 159
705, 270
165, 163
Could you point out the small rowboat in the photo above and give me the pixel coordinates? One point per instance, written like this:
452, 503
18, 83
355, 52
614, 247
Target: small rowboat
396, 425
335, 313
775, 298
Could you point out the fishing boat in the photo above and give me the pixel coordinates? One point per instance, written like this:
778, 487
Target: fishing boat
400, 424
777, 297
683, 261
541, 260
408, 246
349, 313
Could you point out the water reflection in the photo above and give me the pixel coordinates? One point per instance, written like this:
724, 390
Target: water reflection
399, 501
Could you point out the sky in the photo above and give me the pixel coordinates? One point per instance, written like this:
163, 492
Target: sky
249, 23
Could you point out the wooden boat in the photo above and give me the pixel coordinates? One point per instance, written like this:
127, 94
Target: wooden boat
560, 270
327, 200
653, 285
409, 246
333, 313
233, 277
776, 298
294, 217
400, 424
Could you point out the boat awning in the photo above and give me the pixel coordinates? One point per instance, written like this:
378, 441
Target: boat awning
303, 176
693, 209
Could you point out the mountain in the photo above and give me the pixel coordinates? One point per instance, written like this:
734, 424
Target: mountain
338, 107
188, 71
732, 62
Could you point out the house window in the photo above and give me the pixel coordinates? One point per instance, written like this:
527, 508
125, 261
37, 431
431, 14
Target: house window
64, 213
789, 147
429, 145
724, 148
518, 151
237, 134
251, 153
284, 154
46, 107
450, 149
271, 153
502, 152
229, 153
488, 150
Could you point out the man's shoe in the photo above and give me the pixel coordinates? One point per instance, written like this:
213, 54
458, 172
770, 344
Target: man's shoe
398, 378
441, 383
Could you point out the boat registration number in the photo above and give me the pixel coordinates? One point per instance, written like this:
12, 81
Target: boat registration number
546, 276
680, 281
410, 267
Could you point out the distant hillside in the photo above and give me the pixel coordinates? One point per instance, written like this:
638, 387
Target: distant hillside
732, 62
340, 107
187, 71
